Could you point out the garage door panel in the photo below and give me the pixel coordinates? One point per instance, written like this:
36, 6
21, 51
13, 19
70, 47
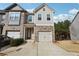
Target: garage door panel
13, 34
45, 36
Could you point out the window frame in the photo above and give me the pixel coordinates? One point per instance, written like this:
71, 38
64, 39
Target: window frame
40, 17
48, 17
19, 19
43, 9
30, 19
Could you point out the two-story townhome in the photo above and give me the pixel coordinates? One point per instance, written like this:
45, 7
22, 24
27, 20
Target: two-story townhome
37, 26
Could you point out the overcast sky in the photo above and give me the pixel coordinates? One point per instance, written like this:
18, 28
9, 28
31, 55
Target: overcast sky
63, 11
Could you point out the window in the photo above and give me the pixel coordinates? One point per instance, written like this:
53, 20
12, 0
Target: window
48, 16
43, 9
39, 16
30, 18
14, 18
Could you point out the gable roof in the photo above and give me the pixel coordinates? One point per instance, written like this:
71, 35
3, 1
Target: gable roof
74, 18
41, 6
12, 6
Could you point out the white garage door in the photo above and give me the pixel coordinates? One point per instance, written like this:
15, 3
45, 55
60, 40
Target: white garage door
45, 36
13, 34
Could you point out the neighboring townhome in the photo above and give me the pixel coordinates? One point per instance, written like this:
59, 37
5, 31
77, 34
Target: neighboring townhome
37, 26
2, 13
74, 29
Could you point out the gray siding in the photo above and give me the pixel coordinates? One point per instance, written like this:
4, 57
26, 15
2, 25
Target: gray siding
74, 29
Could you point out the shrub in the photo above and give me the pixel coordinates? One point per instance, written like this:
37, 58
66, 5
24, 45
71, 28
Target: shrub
4, 40
17, 41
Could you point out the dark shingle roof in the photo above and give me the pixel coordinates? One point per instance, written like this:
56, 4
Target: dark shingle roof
14, 5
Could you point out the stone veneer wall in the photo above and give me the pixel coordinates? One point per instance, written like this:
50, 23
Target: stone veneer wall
44, 29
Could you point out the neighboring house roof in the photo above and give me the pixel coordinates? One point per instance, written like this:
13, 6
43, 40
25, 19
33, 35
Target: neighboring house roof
2, 12
41, 6
74, 18
12, 6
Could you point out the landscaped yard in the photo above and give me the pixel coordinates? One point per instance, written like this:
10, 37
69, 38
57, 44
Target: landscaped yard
68, 45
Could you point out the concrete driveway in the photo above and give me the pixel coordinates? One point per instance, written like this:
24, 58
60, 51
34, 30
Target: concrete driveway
38, 49
51, 49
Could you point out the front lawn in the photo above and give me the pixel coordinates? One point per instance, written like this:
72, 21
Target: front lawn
68, 45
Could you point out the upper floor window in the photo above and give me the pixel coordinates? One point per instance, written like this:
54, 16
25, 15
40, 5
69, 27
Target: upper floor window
43, 9
14, 18
48, 16
39, 16
30, 18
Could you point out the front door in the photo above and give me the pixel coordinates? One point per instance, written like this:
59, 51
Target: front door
28, 33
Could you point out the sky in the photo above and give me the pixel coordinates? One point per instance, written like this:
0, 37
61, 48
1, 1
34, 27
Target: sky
63, 11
